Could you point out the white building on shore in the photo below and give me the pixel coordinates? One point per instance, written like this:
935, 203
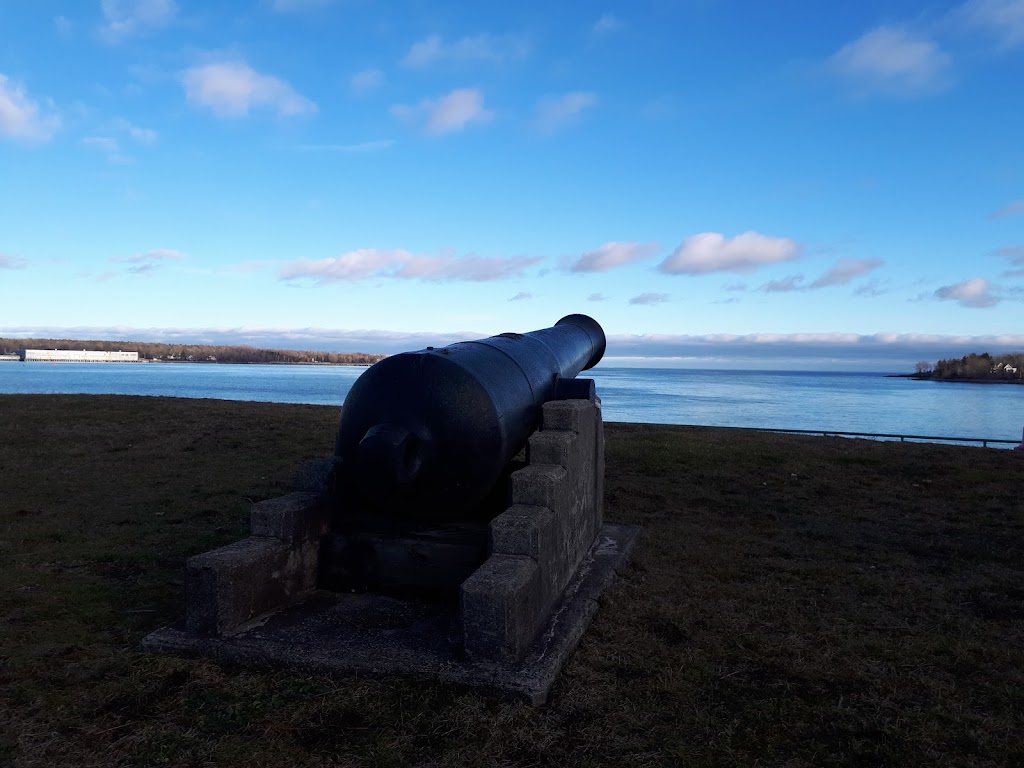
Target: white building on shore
76, 356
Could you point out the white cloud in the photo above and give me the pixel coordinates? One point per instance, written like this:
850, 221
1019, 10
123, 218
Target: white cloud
125, 18
1015, 253
12, 262
889, 60
522, 296
554, 112
842, 273
881, 351
150, 261
597, 297
111, 146
21, 118
475, 48
138, 134
1003, 18
713, 252
143, 135
366, 80
231, 88
351, 265
376, 262
448, 114
1013, 208
786, 284
473, 268
606, 25
649, 298
870, 288
156, 255
612, 255
846, 270
974, 293
63, 25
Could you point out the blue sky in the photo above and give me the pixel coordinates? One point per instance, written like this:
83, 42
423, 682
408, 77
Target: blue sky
719, 183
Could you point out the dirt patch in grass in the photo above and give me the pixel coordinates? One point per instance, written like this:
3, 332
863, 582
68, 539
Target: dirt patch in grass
794, 601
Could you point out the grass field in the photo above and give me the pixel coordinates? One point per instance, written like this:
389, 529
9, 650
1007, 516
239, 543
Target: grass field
793, 601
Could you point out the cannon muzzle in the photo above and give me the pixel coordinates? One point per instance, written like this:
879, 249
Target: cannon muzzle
430, 432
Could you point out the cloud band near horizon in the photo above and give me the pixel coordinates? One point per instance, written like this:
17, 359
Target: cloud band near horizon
894, 352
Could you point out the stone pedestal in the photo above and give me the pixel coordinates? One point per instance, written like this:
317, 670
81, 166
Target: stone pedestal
509, 626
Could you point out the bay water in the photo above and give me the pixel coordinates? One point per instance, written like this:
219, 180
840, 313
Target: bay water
827, 401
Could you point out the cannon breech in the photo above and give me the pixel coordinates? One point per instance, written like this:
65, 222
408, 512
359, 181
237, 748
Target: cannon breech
439, 425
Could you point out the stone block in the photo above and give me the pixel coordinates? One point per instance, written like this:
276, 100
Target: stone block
549, 448
565, 415
315, 476
538, 485
227, 587
295, 518
536, 532
525, 530
501, 608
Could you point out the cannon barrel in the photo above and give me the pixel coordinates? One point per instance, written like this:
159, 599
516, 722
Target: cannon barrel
430, 432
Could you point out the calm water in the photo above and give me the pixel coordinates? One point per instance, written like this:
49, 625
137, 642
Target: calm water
853, 402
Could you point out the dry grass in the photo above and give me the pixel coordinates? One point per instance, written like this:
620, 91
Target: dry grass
794, 601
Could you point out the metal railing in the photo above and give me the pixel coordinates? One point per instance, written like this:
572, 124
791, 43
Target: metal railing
985, 441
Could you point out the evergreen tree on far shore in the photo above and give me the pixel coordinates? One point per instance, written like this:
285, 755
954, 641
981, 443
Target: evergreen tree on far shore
976, 367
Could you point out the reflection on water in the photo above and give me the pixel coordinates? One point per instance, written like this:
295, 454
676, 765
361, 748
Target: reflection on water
853, 402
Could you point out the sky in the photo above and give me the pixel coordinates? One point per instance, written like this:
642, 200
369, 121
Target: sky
721, 184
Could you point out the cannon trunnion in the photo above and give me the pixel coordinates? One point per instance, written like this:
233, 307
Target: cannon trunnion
432, 431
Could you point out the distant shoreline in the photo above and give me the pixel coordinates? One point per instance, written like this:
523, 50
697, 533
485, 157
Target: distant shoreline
256, 362
55, 349
192, 362
918, 377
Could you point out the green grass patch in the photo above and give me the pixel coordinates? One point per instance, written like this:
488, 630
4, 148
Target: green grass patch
793, 601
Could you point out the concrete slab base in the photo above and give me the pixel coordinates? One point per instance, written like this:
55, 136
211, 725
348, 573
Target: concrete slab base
367, 634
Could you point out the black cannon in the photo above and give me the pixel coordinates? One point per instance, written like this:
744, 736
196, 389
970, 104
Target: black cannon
431, 431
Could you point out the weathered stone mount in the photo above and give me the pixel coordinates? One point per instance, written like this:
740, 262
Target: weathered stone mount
534, 578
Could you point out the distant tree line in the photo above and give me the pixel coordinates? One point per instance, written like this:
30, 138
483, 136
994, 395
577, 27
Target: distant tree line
984, 367
196, 353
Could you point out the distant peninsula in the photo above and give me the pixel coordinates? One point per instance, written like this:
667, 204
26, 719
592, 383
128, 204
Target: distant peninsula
973, 368
195, 353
